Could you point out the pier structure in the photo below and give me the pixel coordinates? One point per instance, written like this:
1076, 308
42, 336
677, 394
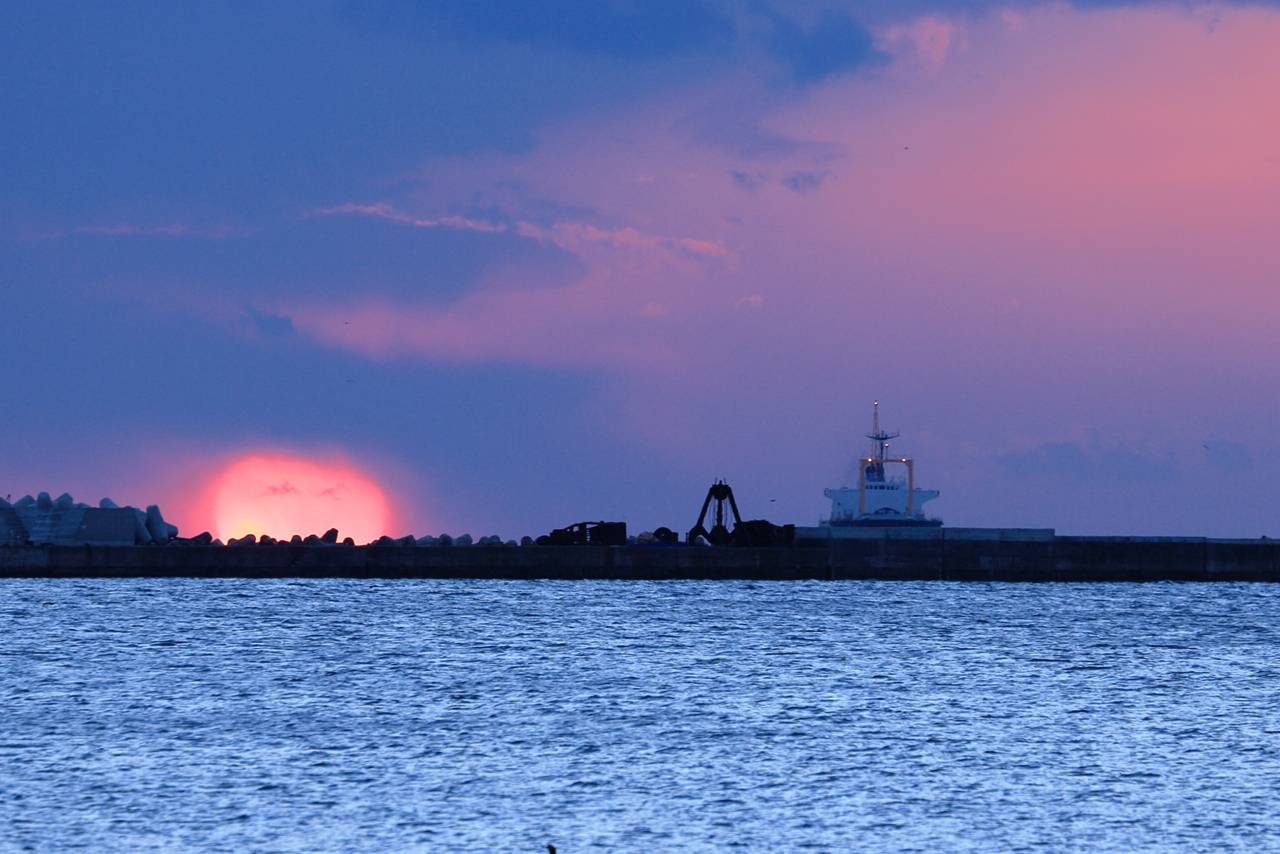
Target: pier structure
899, 554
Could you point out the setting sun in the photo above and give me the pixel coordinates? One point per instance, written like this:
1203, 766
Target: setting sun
281, 495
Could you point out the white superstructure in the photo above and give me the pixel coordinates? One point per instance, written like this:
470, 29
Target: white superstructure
879, 499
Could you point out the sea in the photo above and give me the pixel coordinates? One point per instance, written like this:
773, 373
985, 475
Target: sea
458, 716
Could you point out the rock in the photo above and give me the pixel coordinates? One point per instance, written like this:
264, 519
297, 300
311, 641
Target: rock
347, 541
204, 538
265, 540
246, 540
511, 544
5, 505
444, 540
407, 541
428, 540
44, 502
108, 504
160, 530
330, 536
526, 541
64, 501
218, 543
646, 537
464, 540
295, 540
24, 502
310, 540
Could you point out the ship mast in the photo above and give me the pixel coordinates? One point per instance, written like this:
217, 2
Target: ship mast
880, 439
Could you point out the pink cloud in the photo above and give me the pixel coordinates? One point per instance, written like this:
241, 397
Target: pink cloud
577, 236
1084, 152
573, 236
927, 40
383, 210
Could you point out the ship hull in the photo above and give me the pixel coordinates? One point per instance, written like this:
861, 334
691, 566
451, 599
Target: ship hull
888, 523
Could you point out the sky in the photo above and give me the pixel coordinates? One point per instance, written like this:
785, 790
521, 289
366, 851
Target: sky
512, 265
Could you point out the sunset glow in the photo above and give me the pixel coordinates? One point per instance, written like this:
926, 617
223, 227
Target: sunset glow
551, 276
281, 495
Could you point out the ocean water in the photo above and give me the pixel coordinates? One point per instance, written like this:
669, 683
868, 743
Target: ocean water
334, 715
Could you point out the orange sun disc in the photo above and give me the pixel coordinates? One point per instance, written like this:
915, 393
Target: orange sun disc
281, 495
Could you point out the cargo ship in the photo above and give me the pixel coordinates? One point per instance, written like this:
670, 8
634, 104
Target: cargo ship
880, 499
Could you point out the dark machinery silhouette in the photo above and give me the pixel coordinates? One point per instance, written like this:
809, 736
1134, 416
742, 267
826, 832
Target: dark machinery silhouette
666, 536
721, 493
756, 532
587, 533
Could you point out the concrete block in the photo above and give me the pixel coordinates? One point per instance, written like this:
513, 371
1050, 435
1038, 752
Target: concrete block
12, 531
160, 530
103, 526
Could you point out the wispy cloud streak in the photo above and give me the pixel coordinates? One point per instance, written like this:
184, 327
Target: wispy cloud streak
571, 236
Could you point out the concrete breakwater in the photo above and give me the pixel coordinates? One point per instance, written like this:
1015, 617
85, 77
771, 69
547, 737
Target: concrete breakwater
951, 554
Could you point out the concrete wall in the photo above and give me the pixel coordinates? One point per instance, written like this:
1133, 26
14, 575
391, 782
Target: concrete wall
957, 554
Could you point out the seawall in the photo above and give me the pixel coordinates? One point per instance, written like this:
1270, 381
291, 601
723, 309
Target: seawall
945, 554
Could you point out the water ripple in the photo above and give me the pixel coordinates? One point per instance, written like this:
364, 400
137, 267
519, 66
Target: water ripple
232, 715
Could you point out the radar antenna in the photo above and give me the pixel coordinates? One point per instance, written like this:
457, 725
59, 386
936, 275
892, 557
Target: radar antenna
879, 437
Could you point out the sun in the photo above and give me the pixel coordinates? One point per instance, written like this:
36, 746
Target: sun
282, 495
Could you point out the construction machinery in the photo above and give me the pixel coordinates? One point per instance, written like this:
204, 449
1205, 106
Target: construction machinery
756, 532
587, 533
